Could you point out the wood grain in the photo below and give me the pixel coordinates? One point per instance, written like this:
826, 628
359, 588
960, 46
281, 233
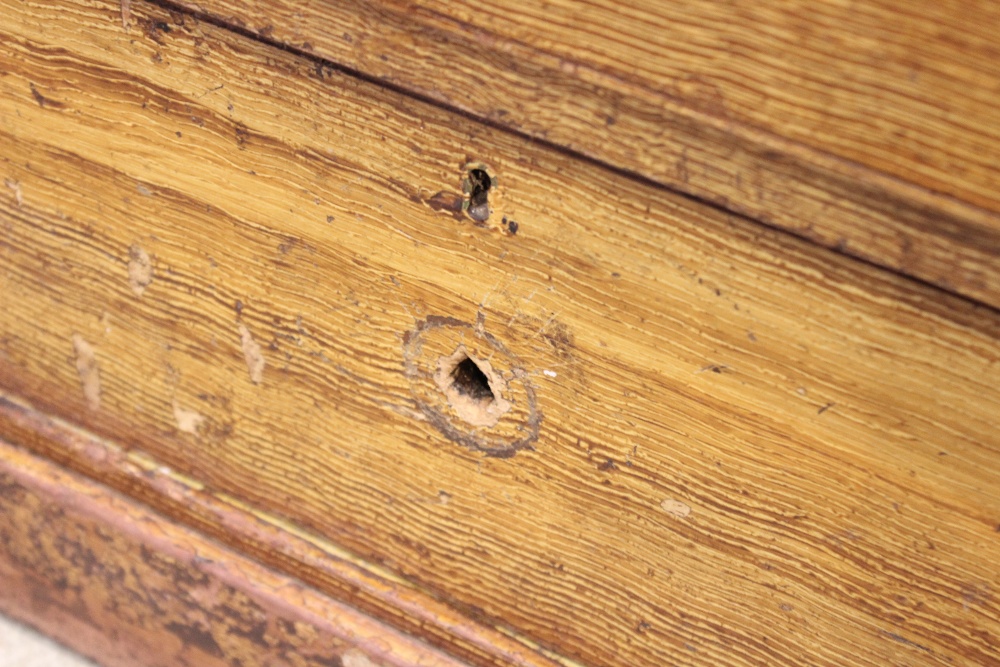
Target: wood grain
126, 587
830, 429
869, 128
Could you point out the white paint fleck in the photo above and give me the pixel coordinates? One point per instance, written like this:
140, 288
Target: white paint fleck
675, 508
87, 369
548, 373
252, 355
188, 421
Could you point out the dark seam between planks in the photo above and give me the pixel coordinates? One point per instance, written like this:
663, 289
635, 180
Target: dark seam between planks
638, 177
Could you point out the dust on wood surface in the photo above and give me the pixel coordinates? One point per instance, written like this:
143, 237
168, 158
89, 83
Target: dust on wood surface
869, 128
831, 428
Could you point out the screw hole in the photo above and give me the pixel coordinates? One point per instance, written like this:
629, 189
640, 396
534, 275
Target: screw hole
469, 380
479, 188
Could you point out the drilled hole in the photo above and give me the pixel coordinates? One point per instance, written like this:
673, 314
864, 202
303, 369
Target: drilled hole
479, 188
469, 380
474, 389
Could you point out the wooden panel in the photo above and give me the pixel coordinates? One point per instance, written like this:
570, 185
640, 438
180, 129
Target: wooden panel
124, 586
748, 451
867, 127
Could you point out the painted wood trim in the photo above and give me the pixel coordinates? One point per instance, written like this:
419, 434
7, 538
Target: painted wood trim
223, 541
127, 587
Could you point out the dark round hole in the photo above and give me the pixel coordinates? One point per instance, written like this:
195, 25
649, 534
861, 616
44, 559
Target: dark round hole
479, 188
479, 182
469, 380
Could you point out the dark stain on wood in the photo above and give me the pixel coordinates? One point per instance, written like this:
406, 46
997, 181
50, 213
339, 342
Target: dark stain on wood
450, 202
155, 30
195, 636
45, 101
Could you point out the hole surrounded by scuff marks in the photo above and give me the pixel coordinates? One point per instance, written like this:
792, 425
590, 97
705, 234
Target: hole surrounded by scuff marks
431, 352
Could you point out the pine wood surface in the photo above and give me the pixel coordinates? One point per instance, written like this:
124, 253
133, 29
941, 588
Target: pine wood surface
128, 588
738, 448
869, 127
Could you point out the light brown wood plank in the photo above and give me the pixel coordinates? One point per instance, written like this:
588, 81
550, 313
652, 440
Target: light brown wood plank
751, 451
869, 128
127, 587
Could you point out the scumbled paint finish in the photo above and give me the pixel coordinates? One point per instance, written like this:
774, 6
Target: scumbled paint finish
268, 541
114, 581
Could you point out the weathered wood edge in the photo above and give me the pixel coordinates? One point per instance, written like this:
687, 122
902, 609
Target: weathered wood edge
262, 537
827, 199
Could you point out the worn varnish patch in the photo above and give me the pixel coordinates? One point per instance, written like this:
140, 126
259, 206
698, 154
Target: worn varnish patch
88, 370
140, 269
676, 508
356, 658
15, 187
252, 355
188, 421
267, 540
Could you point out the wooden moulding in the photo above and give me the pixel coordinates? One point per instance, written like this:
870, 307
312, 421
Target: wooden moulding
870, 129
127, 587
729, 446
242, 531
